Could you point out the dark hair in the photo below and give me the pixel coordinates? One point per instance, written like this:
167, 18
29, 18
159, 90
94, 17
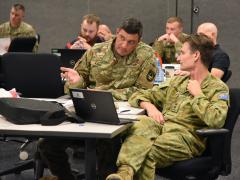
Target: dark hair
203, 44
132, 26
19, 7
91, 18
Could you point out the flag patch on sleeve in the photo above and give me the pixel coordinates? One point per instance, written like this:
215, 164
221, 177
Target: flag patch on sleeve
224, 97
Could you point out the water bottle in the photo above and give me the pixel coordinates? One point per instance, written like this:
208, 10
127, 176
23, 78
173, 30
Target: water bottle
160, 74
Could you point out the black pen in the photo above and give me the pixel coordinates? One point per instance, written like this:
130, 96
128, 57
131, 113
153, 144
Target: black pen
126, 110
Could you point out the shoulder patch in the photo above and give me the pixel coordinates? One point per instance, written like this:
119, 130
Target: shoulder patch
150, 75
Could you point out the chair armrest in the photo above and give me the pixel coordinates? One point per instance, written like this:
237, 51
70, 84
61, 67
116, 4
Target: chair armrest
210, 132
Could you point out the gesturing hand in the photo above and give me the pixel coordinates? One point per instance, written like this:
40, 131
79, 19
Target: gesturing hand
70, 75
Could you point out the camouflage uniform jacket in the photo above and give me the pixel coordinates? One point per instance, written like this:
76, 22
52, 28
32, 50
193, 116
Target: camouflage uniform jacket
169, 51
183, 113
100, 67
24, 30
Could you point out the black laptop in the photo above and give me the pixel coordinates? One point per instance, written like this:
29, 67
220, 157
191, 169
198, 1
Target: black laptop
96, 106
69, 57
22, 44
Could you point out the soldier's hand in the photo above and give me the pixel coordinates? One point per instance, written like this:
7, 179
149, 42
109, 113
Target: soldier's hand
194, 87
164, 37
77, 45
153, 112
173, 38
85, 45
70, 75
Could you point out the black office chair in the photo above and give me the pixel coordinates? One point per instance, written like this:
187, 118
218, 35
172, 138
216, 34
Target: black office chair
216, 160
33, 75
227, 76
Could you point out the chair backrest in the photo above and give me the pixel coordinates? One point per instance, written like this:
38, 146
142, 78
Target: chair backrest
232, 116
227, 76
210, 165
33, 75
22, 44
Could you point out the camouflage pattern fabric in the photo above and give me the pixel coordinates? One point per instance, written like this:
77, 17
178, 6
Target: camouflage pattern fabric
24, 30
150, 144
169, 51
102, 68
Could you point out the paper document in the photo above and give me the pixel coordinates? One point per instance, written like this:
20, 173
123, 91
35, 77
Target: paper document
4, 45
124, 108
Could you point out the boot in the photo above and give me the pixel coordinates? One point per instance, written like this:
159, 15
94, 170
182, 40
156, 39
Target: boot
124, 172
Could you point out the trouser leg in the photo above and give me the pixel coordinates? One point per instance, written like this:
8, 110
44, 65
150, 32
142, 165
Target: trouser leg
167, 149
53, 152
138, 143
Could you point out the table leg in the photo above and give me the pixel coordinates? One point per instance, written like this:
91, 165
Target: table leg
90, 159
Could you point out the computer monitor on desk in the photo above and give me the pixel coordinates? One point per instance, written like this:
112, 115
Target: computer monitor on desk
68, 57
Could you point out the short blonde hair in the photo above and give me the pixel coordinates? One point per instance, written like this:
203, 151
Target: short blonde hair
175, 19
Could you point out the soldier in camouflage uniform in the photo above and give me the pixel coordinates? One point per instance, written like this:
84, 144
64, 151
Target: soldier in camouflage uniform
121, 66
188, 103
168, 46
16, 27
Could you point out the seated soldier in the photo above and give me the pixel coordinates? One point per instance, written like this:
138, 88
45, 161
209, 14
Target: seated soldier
168, 45
16, 27
192, 102
122, 66
88, 33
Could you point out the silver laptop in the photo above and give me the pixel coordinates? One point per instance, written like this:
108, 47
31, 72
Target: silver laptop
96, 106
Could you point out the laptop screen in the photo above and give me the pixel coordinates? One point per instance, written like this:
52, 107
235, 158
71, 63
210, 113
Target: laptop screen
69, 57
94, 106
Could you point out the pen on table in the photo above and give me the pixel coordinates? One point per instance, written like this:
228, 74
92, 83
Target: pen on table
126, 110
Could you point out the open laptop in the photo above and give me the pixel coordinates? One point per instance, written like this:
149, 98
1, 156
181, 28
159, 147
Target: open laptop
69, 57
22, 44
96, 106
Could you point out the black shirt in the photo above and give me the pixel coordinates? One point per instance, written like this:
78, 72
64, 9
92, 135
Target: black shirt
220, 60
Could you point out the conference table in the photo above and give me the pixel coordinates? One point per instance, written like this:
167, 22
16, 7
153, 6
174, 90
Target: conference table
90, 132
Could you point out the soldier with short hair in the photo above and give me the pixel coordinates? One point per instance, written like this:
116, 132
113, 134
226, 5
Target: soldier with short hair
188, 103
16, 27
122, 66
87, 36
168, 45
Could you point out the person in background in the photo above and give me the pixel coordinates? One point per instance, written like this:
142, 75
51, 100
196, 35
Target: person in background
121, 65
220, 59
168, 45
104, 32
192, 102
88, 33
16, 27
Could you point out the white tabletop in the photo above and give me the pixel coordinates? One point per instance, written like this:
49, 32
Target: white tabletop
66, 129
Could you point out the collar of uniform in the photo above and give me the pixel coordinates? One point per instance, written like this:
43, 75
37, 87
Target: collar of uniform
205, 82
